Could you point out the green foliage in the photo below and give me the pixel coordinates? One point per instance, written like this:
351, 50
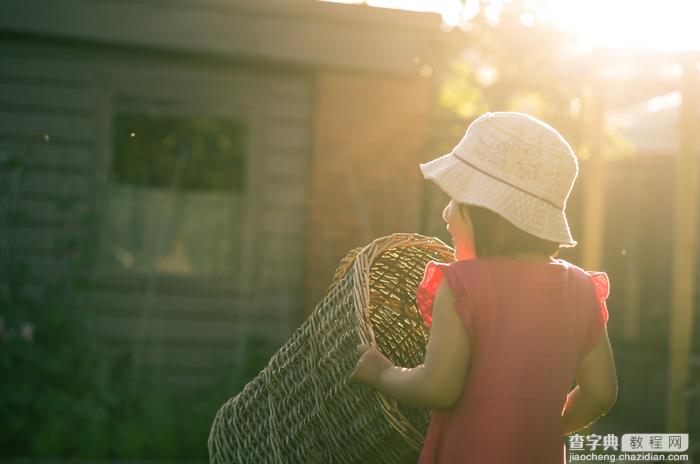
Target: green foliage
511, 57
59, 396
514, 59
460, 94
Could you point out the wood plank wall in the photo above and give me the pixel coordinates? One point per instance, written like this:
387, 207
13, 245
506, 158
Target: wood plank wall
57, 100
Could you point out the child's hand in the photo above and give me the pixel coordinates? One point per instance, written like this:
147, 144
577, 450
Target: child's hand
370, 366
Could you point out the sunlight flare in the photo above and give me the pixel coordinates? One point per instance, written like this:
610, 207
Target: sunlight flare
625, 24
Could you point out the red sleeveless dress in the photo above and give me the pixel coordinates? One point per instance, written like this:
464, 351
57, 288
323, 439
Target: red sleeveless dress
529, 324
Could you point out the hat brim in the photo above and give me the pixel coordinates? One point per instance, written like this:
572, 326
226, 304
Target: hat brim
465, 184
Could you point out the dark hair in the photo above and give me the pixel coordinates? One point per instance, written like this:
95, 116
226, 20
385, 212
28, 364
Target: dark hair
495, 235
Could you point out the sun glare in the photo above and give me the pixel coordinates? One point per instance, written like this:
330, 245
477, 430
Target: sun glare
626, 24
639, 24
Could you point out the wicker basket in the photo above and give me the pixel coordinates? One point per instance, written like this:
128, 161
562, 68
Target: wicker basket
300, 408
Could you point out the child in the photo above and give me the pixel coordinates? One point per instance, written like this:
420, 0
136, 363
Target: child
511, 326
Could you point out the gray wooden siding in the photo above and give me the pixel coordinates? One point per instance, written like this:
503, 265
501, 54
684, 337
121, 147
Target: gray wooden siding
183, 328
47, 121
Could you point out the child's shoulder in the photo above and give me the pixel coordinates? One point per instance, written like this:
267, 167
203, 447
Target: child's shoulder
468, 264
589, 275
596, 280
465, 269
470, 268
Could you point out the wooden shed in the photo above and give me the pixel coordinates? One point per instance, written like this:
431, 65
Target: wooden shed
215, 159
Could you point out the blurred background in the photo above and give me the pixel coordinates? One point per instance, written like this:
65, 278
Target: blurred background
179, 180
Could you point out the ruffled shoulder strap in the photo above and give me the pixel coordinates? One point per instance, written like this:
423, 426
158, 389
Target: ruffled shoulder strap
427, 289
600, 316
601, 283
425, 293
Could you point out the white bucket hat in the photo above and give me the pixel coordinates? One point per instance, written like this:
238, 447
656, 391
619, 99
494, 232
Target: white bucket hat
516, 166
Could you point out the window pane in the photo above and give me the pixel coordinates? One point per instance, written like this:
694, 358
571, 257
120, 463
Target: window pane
147, 150
176, 200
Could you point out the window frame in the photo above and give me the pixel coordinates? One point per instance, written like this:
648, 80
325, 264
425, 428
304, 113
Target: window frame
159, 90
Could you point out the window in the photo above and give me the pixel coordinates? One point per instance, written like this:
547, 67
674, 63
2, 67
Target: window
175, 201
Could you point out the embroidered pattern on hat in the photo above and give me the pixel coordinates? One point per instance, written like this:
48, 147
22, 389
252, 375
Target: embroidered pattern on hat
500, 154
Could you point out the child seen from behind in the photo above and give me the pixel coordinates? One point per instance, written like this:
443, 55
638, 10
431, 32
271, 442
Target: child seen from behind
511, 325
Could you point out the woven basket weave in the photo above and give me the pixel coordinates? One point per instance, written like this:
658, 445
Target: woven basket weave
301, 408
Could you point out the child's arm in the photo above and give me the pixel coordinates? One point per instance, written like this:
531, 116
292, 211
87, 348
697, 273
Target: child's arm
438, 382
596, 391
